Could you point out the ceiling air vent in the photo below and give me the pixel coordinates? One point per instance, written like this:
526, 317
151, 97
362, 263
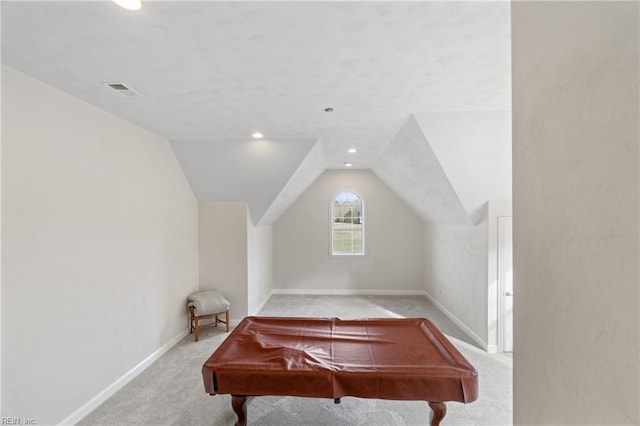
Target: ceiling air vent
122, 89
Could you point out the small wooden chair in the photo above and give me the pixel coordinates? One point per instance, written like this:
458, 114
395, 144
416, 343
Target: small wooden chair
207, 305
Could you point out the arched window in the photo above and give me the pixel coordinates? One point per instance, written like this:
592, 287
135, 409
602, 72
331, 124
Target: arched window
347, 224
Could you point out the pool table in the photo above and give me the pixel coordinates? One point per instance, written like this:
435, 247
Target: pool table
397, 359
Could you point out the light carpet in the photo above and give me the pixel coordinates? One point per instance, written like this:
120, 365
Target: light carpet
170, 391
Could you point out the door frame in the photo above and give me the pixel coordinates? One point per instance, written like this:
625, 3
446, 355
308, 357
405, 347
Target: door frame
503, 221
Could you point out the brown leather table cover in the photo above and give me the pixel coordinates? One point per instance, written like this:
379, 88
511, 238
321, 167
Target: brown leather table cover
400, 359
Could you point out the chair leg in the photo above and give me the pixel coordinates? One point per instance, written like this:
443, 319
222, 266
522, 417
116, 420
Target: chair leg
196, 330
226, 316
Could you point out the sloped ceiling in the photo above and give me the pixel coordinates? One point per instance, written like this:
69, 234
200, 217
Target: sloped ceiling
242, 170
311, 168
411, 169
209, 74
448, 165
474, 150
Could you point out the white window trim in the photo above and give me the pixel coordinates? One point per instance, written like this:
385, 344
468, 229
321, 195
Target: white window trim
364, 224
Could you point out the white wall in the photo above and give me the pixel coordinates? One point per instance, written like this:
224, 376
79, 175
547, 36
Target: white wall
394, 244
223, 252
576, 212
236, 257
99, 249
456, 270
260, 264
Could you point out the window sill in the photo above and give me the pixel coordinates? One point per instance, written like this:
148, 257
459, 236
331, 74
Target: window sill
346, 255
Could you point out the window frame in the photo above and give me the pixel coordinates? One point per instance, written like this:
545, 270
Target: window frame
331, 225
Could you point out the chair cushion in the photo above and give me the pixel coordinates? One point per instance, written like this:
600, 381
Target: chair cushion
208, 302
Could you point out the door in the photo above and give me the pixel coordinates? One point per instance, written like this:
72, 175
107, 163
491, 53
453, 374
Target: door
505, 283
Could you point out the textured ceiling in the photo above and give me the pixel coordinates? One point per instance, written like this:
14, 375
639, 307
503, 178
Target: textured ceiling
214, 72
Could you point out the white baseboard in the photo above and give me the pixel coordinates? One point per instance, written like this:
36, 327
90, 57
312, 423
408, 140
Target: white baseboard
349, 292
457, 322
94, 402
264, 302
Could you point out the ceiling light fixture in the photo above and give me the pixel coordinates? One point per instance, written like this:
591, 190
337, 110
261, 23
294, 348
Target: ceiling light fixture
328, 109
129, 4
348, 164
352, 151
257, 135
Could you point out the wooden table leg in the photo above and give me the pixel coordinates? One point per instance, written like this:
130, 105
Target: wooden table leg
439, 411
240, 408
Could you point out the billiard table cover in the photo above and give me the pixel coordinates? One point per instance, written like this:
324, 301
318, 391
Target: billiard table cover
398, 359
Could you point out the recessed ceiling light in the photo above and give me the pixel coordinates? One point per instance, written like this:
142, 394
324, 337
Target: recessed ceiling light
348, 164
352, 151
129, 4
328, 109
257, 135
